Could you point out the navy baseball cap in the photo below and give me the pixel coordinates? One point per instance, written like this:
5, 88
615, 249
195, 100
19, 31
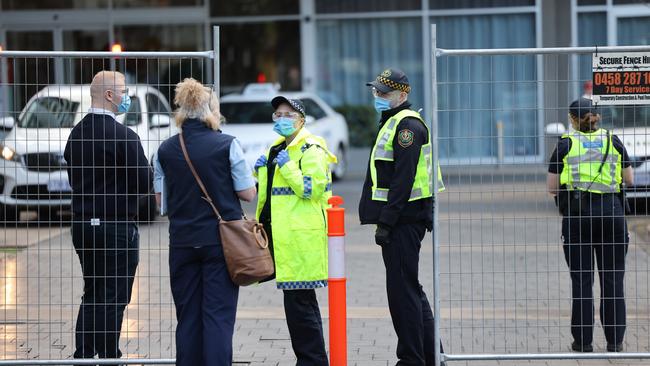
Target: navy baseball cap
296, 104
581, 107
391, 79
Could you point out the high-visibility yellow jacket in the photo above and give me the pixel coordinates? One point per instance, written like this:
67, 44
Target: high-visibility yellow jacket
582, 163
299, 194
383, 150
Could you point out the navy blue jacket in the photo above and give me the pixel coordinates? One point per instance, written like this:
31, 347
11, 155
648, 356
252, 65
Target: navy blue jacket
107, 168
192, 223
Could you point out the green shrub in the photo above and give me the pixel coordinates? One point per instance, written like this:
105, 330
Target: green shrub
362, 123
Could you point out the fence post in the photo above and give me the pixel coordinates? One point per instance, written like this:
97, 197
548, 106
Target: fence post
434, 175
216, 56
336, 282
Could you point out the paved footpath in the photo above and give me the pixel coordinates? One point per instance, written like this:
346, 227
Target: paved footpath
504, 289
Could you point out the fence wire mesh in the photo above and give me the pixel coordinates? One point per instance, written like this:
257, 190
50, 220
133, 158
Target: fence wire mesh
504, 282
44, 96
505, 287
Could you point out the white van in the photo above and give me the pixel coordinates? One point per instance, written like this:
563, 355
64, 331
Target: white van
32, 168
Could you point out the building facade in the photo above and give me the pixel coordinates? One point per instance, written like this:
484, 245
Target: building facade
332, 47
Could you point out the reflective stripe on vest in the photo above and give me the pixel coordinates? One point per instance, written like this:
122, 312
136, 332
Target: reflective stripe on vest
576, 165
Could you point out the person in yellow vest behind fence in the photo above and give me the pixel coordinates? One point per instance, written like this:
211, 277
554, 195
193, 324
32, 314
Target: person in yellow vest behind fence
585, 173
397, 197
294, 185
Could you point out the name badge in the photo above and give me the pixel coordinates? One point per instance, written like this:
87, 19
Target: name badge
593, 144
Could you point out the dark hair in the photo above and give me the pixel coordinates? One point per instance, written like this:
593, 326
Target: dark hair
585, 124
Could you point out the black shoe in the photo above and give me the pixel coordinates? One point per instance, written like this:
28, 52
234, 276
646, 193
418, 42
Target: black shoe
582, 347
611, 347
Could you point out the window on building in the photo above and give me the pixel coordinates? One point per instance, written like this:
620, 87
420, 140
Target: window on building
28, 75
155, 3
591, 2
82, 70
356, 6
476, 93
52, 4
162, 73
626, 2
464, 4
221, 8
592, 31
353, 52
260, 52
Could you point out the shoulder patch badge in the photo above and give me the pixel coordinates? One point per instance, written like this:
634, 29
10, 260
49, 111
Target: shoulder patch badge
405, 138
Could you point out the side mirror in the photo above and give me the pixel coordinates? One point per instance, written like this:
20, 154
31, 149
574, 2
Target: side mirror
309, 120
159, 121
7, 123
555, 129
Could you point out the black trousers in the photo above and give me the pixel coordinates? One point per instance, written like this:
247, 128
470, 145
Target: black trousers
305, 327
206, 305
108, 254
600, 232
409, 308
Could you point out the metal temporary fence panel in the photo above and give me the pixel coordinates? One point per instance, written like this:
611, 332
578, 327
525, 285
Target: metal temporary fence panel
40, 275
501, 280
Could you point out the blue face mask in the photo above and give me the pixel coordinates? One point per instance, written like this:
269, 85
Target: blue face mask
124, 105
284, 126
381, 104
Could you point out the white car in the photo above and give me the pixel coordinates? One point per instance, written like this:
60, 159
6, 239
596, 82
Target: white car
248, 118
32, 168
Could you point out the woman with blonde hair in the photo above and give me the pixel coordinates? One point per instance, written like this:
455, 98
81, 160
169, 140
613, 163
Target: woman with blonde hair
204, 295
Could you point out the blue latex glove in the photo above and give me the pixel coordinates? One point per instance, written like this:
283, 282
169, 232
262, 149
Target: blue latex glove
283, 158
261, 161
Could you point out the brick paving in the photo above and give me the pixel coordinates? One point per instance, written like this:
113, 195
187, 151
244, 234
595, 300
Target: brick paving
504, 289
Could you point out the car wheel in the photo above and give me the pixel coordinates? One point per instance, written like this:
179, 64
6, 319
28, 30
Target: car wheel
147, 209
8, 215
341, 168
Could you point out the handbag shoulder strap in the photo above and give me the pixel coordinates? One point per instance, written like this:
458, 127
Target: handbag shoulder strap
206, 196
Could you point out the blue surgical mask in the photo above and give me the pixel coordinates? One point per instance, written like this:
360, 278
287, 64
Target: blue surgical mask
124, 105
284, 126
382, 104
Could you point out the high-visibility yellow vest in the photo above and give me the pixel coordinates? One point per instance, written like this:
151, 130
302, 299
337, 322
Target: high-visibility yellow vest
299, 194
383, 150
581, 164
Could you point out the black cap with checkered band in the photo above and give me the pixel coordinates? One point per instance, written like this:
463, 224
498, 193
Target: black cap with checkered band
296, 104
391, 79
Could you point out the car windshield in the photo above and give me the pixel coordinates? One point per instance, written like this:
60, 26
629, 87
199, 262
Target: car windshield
624, 116
49, 112
247, 112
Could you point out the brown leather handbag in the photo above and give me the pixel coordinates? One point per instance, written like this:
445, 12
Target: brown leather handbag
245, 243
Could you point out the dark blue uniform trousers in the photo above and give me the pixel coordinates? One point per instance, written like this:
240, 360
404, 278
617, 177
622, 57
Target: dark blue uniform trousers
409, 308
305, 327
109, 258
600, 232
206, 305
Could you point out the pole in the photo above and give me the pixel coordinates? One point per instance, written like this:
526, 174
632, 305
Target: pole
336, 282
216, 56
434, 177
